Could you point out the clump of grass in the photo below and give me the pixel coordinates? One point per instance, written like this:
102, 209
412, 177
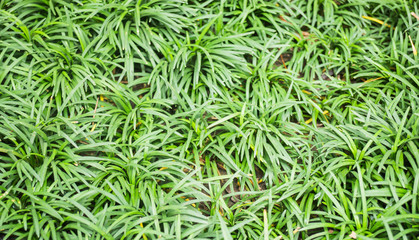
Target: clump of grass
179, 119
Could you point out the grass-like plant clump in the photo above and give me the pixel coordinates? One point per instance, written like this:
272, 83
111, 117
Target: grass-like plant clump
217, 119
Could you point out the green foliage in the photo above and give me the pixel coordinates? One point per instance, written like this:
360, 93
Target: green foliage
239, 119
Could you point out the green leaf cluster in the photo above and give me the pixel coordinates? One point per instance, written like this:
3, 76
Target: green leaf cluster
216, 119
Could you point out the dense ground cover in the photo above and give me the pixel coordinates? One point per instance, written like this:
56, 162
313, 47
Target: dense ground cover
228, 119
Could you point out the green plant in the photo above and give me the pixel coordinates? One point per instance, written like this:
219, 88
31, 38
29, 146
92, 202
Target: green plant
175, 119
